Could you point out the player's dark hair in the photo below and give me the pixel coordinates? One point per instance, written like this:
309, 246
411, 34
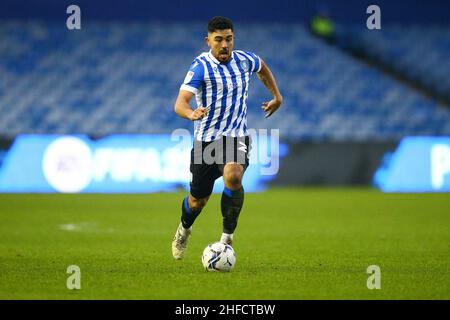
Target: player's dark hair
219, 23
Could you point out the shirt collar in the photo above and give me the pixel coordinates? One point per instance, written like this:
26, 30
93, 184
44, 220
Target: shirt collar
211, 56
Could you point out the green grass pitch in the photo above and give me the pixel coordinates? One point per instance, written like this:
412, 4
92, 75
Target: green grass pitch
290, 244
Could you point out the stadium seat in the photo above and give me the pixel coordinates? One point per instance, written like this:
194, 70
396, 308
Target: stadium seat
123, 78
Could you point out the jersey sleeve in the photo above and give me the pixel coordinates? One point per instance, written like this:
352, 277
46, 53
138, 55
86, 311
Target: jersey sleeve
256, 66
194, 77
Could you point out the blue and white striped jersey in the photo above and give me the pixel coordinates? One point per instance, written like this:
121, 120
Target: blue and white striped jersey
222, 88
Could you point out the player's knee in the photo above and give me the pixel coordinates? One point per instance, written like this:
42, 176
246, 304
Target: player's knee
197, 204
233, 179
232, 175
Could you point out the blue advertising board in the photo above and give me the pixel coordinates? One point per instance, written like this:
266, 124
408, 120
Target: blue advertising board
420, 164
114, 164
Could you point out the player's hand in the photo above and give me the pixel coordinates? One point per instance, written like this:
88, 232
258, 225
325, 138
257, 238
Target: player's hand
271, 106
198, 114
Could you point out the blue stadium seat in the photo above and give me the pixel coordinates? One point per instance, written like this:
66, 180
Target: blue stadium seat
420, 53
123, 78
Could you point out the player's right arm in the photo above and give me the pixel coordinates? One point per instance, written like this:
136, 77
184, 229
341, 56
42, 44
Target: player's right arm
183, 109
191, 84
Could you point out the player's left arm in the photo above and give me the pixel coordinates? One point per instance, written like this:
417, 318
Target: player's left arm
267, 78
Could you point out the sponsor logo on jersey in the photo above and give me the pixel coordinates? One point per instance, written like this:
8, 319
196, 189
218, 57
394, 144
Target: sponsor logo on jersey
188, 77
243, 147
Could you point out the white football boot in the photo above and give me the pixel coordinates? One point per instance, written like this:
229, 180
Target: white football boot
227, 238
180, 241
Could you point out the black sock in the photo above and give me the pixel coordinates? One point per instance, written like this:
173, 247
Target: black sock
188, 215
232, 201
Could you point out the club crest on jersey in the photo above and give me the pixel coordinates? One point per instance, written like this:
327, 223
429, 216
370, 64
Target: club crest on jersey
215, 69
244, 65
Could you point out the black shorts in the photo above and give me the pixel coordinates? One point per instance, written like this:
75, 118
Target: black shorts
208, 160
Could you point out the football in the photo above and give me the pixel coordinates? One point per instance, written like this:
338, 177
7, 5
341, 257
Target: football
218, 257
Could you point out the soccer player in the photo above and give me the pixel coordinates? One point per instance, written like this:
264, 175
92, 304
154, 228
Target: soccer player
219, 79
